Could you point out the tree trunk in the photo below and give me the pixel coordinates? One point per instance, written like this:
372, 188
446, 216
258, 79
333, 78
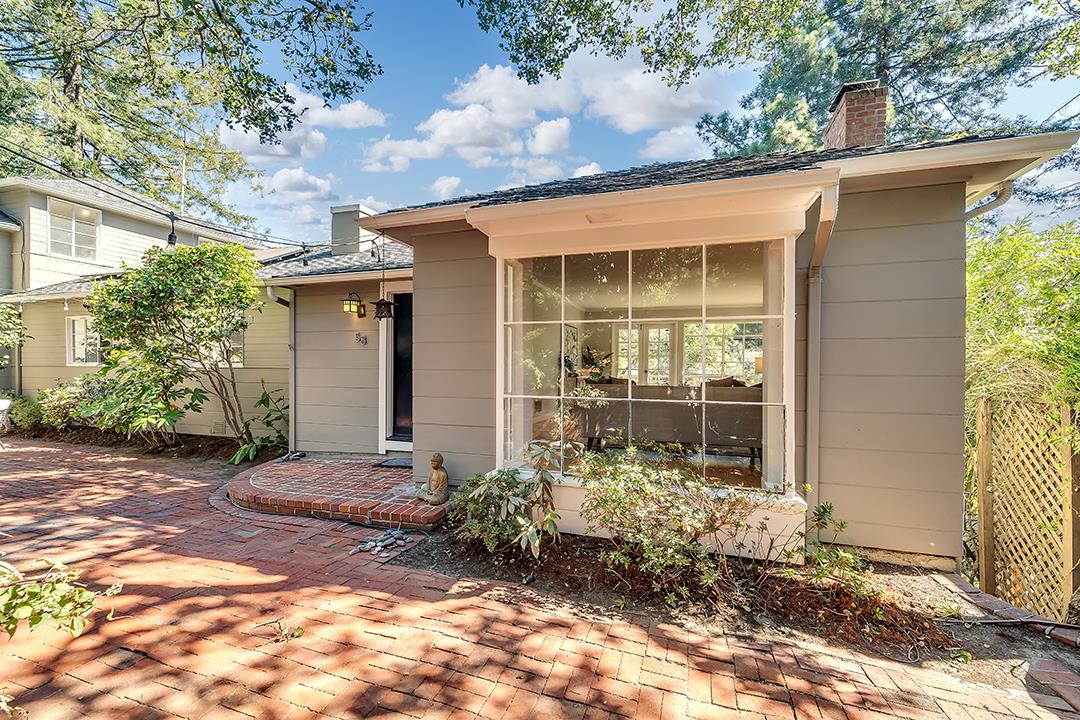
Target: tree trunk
72, 74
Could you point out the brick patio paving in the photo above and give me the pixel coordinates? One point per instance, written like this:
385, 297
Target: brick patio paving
379, 640
341, 488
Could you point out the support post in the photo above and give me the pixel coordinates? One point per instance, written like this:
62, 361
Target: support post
984, 443
1070, 475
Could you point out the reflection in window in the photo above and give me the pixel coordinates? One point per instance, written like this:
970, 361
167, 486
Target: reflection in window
73, 230
84, 345
676, 352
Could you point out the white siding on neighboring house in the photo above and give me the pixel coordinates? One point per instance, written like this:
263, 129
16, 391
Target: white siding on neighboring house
121, 239
266, 358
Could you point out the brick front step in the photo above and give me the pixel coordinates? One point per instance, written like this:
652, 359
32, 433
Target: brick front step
335, 489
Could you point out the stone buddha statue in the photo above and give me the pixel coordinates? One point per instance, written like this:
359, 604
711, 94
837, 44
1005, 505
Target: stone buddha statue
436, 490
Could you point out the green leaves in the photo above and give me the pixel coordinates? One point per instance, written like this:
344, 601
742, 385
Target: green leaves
54, 594
135, 89
674, 39
948, 64
12, 332
1023, 311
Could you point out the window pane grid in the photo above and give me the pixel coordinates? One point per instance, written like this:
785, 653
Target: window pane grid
663, 359
73, 230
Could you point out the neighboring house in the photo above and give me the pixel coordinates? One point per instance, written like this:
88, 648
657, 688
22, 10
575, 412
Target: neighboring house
63, 235
787, 320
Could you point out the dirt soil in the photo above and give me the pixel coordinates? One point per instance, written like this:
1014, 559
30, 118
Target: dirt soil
188, 446
573, 571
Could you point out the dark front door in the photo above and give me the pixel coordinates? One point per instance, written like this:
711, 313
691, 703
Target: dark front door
402, 364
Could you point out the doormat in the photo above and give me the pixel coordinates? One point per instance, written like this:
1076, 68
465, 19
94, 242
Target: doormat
401, 462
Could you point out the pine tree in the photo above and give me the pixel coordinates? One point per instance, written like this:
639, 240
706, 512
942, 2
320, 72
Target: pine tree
134, 90
947, 63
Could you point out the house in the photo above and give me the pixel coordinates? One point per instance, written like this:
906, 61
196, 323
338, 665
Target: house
784, 321
58, 235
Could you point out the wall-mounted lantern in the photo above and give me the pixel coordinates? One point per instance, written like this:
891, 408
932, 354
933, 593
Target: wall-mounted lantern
353, 305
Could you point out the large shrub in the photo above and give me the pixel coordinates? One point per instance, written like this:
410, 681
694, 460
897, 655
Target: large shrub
180, 313
61, 405
25, 412
140, 397
664, 521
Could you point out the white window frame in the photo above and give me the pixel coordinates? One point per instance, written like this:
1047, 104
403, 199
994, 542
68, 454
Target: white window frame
69, 340
386, 371
786, 316
49, 228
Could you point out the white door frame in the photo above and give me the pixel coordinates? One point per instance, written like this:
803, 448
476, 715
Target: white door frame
386, 370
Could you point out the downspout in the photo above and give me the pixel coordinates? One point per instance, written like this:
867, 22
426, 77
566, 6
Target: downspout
1003, 195
24, 284
830, 198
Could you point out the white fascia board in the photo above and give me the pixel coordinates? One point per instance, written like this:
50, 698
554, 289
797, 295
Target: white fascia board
16, 299
397, 274
1038, 147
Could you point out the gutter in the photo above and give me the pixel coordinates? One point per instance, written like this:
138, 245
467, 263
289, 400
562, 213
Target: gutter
830, 200
1003, 195
396, 274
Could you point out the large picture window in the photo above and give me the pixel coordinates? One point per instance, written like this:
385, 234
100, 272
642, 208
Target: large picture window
676, 352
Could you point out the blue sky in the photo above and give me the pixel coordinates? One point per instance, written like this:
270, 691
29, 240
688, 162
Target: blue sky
449, 117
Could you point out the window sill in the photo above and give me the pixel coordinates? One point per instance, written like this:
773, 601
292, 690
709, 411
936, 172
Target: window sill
789, 502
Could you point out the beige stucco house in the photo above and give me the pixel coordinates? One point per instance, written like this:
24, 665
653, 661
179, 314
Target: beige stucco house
793, 324
58, 234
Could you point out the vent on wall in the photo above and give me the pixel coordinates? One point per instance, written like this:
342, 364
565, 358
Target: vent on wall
218, 428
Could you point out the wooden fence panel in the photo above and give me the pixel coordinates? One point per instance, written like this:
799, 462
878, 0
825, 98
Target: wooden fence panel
1028, 536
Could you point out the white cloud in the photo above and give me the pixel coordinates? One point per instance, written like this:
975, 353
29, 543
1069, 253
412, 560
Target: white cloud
551, 137
590, 169
444, 186
300, 143
532, 170
298, 185
624, 96
390, 155
494, 116
304, 141
309, 215
351, 115
678, 143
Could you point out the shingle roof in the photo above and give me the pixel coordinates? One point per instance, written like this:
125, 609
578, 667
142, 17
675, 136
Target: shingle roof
103, 194
683, 173
6, 219
76, 287
322, 262
81, 286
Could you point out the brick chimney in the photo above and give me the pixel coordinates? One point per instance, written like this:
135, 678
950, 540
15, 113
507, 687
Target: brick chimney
858, 116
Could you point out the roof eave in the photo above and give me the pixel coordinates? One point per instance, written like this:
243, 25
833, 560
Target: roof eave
332, 277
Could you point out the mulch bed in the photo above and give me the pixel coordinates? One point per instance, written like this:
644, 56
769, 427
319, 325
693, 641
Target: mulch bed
573, 568
202, 446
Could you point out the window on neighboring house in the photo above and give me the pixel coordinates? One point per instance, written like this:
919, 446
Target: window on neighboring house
236, 347
84, 345
73, 230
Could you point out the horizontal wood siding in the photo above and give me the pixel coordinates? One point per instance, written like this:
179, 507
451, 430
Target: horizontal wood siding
892, 363
266, 358
454, 353
337, 378
121, 240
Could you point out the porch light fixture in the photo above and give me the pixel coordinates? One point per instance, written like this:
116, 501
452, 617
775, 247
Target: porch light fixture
384, 309
353, 305
170, 246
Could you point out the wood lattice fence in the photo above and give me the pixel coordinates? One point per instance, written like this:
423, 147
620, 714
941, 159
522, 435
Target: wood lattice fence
1028, 482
